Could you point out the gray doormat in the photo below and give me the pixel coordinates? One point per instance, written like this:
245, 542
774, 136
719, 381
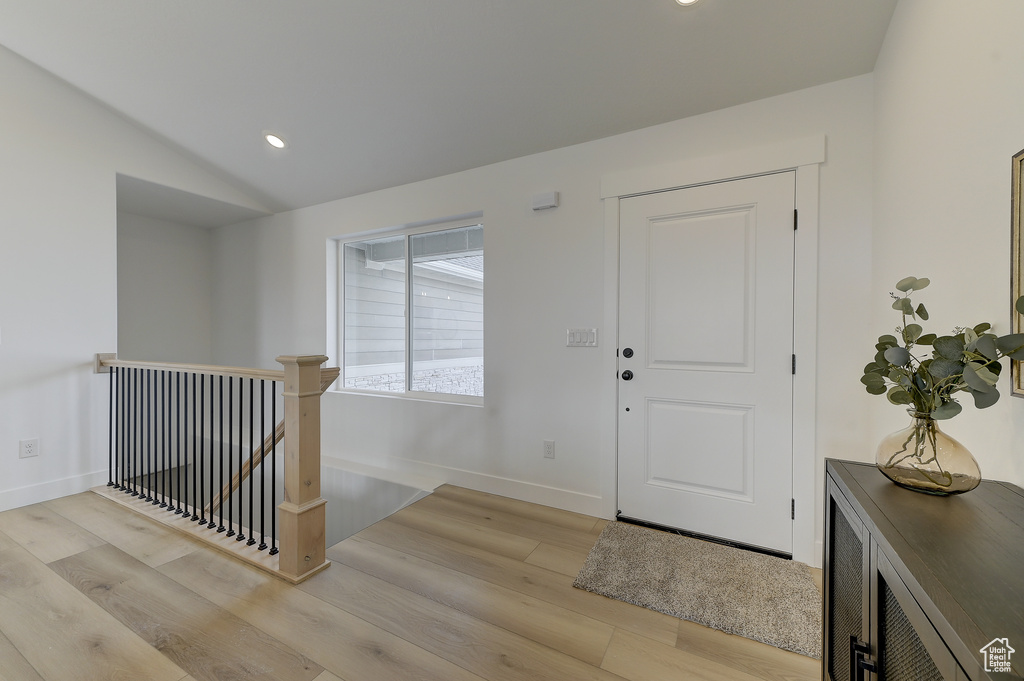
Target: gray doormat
761, 597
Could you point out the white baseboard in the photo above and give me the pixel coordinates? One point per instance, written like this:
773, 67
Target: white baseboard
51, 489
555, 497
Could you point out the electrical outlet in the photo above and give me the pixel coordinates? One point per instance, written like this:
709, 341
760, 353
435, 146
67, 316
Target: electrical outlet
28, 448
549, 449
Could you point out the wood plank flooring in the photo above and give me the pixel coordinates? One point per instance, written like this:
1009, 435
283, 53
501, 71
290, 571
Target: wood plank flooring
460, 586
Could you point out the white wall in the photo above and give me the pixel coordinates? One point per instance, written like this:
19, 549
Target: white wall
58, 289
545, 272
949, 97
164, 290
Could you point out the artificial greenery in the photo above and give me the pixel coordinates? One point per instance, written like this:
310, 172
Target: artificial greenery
966, 361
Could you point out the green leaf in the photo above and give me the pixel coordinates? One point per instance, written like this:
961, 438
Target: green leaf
898, 395
982, 328
970, 338
1010, 343
876, 389
906, 306
942, 368
887, 340
979, 378
946, 411
898, 356
912, 333
921, 283
872, 379
906, 284
926, 339
881, 361
983, 400
921, 312
949, 347
1019, 305
987, 346
873, 369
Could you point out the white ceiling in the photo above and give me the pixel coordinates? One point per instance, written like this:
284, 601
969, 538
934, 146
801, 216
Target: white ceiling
376, 93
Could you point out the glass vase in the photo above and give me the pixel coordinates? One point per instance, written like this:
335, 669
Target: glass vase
923, 458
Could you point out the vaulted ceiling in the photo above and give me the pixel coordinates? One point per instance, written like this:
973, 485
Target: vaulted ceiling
377, 93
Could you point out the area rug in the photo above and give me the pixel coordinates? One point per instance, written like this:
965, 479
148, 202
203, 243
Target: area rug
741, 592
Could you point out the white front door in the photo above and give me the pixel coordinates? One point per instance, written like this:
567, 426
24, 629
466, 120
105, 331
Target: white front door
705, 360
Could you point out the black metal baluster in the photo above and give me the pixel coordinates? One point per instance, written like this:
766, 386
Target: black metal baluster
238, 493
212, 524
123, 379
200, 510
221, 528
263, 464
231, 459
167, 476
195, 450
165, 435
139, 438
273, 475
242, 453
178, 492
134, 435
119, 481
252, 462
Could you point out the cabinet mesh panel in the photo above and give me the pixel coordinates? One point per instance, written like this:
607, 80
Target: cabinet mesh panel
902, 654
846, 578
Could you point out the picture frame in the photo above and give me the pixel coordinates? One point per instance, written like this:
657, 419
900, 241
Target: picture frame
1016, 264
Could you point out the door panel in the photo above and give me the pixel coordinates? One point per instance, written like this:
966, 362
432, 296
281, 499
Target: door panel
705, 428
706, 306
723, 265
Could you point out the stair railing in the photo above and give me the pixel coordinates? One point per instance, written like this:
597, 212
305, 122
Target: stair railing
201, 448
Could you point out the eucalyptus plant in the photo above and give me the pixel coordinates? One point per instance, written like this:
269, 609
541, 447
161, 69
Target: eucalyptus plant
926, 371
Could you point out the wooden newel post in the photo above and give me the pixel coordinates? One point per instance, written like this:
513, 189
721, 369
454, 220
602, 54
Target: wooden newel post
302, 535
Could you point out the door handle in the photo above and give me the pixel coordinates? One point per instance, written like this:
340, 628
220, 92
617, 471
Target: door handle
858, 663
627, 353
627, 375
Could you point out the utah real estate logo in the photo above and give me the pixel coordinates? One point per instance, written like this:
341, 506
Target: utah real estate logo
997, 655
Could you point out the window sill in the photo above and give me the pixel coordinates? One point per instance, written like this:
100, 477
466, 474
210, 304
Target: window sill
433, 398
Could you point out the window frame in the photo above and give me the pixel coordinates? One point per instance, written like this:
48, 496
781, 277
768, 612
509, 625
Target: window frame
338, 295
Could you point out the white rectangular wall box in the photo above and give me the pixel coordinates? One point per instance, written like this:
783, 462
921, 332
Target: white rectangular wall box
545, 200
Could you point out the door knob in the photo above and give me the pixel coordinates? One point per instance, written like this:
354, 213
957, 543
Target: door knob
627, 375
627, 353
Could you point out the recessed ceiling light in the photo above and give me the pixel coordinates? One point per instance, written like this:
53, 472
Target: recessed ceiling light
274, 140
687, 3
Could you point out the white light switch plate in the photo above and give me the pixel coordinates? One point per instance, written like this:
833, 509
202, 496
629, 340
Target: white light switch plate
581, 338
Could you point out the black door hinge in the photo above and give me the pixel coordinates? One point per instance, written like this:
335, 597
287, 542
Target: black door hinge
792, 509
794, 365
795, 219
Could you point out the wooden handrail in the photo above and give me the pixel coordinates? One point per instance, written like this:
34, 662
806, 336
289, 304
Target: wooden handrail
211, 370
327, 376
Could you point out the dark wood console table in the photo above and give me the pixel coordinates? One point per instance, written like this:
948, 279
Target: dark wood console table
916, 586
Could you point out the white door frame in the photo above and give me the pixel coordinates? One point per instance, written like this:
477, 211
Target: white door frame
803, 156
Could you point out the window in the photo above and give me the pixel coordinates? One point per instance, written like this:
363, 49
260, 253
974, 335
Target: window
414, 312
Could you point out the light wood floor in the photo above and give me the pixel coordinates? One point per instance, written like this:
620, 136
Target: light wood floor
459, 586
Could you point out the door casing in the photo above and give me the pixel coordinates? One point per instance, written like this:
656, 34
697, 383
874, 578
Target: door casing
803, 155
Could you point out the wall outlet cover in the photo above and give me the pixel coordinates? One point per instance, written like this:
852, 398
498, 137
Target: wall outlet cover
28, 448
